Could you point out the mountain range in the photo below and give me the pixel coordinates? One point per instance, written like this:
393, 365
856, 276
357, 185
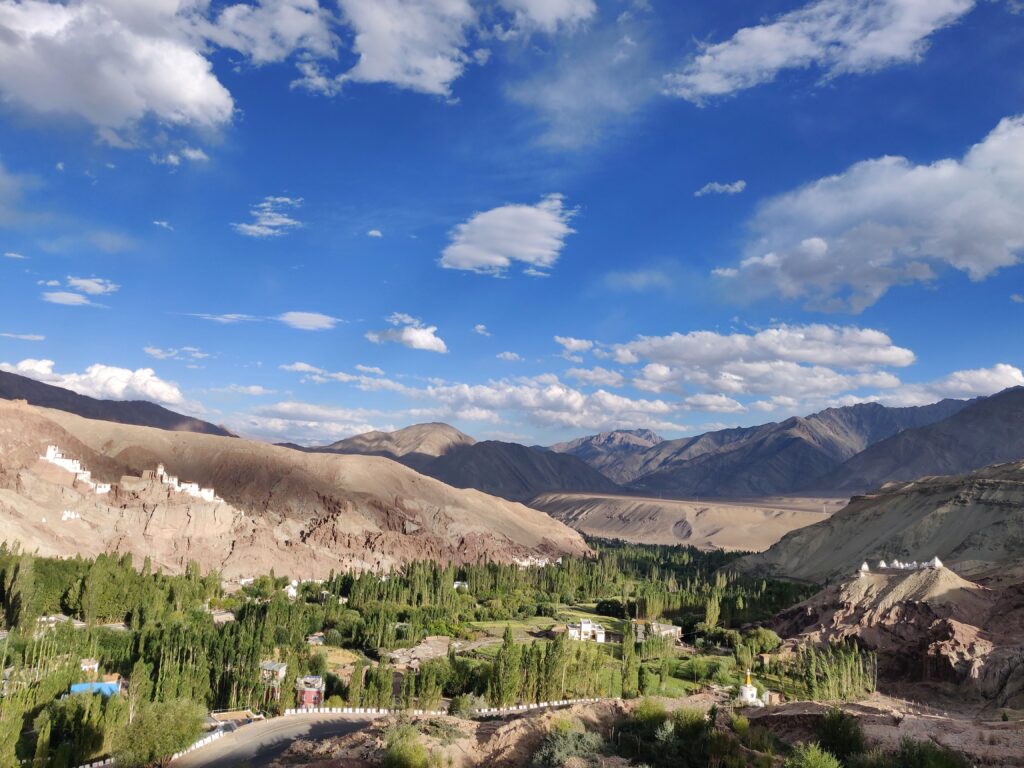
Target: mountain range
139, 412
509, 470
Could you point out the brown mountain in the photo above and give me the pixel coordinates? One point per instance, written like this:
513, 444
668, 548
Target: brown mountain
509, 470
615, 454
987, 431
775, 458
139, 412
973, 523
300, 513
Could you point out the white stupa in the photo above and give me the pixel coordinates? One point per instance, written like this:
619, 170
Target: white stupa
864, 567
935, 563
748, 694
881, 564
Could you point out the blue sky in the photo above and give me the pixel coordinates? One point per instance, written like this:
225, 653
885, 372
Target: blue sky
533, 219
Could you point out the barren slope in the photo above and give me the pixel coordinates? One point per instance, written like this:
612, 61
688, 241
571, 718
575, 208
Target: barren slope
736, 525
300, 513
974, 523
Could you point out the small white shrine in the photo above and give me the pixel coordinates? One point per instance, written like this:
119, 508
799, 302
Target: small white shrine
748, 694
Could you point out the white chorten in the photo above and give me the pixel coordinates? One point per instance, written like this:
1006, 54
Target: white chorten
864, 567
881, 564
935, 562
748, 694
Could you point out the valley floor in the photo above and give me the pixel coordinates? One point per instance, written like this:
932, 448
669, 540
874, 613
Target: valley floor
730, 524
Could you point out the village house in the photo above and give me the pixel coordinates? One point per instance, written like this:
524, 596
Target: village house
90, 667
586, 631
309, 691
643, 630
272, 673
317, 638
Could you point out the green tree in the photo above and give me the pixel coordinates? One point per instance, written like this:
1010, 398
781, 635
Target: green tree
157, 732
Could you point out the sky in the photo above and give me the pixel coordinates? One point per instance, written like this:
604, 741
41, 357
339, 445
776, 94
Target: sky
532, 219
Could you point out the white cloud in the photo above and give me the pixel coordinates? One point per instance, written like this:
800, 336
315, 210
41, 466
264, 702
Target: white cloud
13, 255
570, 344
94, 286
842, 241
481, 329
490, 242
225, 319
597, 376
195, 154
835, 36
163, 225
272, 30
253, 390
305, 422
68, 299
719, 188
413, 44
109, 62
1017, 298
103, 381
959, 384
510, 357
270, 218
714, 404
24, 336
410, 332
593, 84
370, 369
375, 233
549, 15
308, 321
184, 353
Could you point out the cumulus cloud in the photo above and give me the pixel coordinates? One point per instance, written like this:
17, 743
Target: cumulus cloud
959, 384
834, 36
370, 369
490, 242
418, 45
308, 321
597, 376
799, 362
375, 233
572, 347
718, 188
714, 404
270, 217
94, 286
481, 329
272, 30
108, 62
549, 15
410, 332
103, 381
305, 423
13, 255
510, 357
841, 242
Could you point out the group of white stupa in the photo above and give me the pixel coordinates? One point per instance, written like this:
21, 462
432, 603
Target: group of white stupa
897, 565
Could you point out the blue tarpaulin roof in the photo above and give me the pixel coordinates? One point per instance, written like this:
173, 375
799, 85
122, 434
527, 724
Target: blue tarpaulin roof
104, 689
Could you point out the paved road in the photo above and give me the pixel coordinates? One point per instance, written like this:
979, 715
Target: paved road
257, 744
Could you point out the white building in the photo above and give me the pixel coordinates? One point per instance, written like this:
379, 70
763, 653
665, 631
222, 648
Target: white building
586, 631
54, 456
191, 489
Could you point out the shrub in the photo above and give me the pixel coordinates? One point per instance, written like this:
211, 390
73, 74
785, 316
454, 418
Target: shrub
926, 754
650, 713
404, 749
841, 734
563, 743
740, 725
811, 756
